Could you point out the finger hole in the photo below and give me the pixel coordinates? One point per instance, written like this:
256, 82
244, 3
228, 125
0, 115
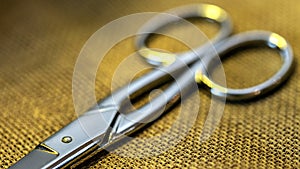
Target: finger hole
248, 39
249, 66
174, 22
160, 41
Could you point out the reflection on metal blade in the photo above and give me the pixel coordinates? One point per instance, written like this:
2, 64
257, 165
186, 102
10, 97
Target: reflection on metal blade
37, 158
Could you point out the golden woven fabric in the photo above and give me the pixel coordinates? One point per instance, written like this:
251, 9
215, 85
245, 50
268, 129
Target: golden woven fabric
41, 40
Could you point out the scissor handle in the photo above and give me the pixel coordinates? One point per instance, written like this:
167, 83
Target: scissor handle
202, 11
269, 39
221, 44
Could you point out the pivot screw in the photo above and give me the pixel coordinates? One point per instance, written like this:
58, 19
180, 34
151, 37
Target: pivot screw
66, 139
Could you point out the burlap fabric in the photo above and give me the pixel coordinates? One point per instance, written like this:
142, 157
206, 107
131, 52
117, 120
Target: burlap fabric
40, 42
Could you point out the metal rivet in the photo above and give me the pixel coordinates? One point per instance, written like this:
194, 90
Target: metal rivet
66, 139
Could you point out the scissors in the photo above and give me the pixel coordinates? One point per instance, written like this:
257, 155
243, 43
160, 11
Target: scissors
104, 122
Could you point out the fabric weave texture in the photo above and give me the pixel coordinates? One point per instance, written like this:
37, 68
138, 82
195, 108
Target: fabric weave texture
41, 40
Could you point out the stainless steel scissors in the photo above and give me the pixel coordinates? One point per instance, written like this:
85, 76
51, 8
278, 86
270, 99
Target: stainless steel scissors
104, 123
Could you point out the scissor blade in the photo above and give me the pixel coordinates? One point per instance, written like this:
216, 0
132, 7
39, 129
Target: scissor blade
36, 159
84, 135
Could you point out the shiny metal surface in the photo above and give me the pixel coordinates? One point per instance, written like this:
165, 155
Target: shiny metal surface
103, 124
87, 132
203, 11
223, 43
269, 39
